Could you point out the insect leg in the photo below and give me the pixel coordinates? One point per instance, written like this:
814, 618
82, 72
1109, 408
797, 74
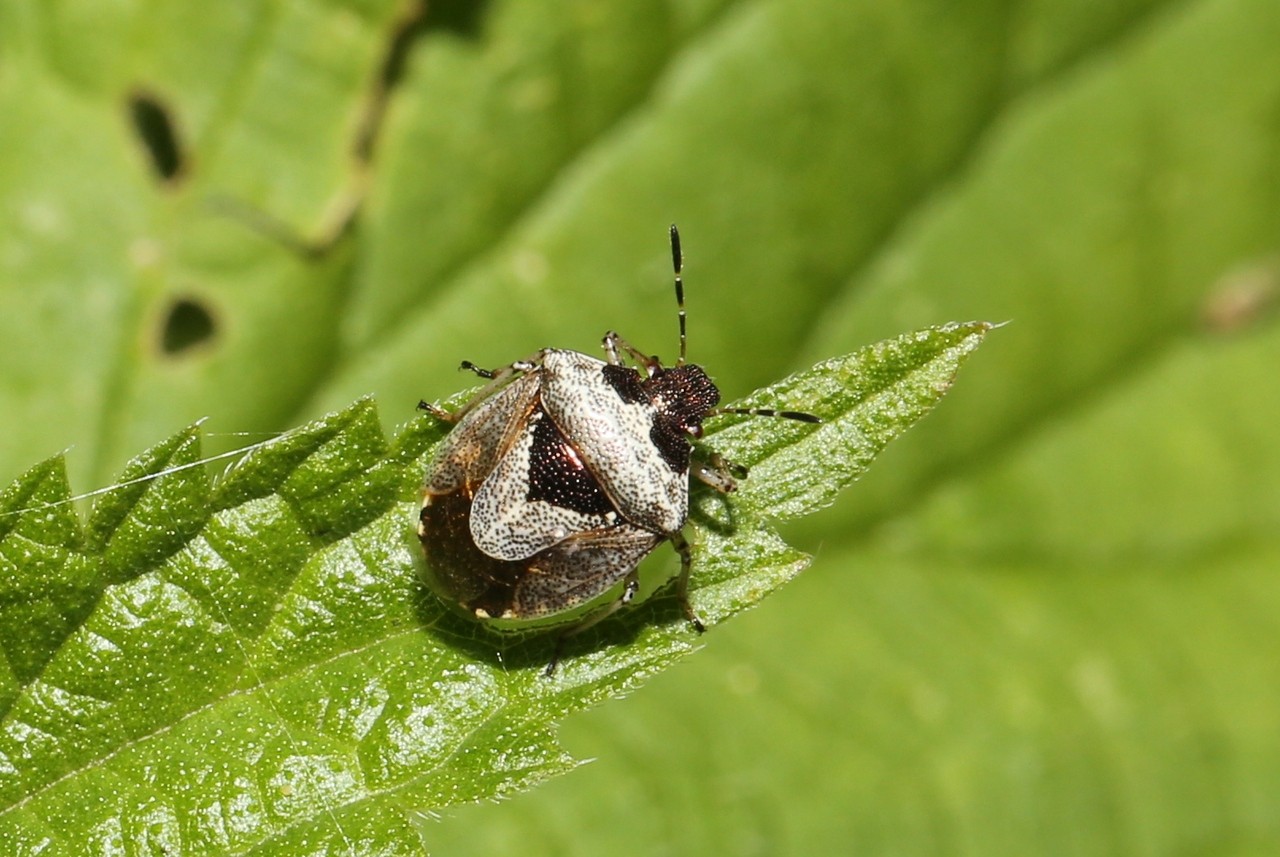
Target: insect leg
721, 473
681, 544
629, 590
613, 342
718, 472
496, 378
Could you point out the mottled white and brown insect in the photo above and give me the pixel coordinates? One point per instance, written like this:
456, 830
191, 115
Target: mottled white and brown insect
565, 471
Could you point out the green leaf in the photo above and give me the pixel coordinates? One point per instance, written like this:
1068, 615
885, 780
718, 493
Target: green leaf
258, 668
1040, 624
864, 400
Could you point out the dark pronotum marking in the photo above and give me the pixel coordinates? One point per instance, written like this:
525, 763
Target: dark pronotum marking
681, 397
687, 395
626, 383
558, 476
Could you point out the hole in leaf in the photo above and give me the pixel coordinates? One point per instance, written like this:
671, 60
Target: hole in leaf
154, 125
461, 17
188, 325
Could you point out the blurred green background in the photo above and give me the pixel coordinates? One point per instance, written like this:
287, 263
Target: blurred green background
1046, 622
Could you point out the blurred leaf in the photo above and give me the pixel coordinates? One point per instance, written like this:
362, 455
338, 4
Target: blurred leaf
1102, 174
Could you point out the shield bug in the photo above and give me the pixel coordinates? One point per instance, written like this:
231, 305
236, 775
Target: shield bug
563, 472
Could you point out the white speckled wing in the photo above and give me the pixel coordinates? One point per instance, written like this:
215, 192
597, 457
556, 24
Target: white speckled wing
472, 449
506, 524
580, 568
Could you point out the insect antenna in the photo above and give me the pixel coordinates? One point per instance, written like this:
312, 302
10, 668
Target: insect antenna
677, 264
801, 416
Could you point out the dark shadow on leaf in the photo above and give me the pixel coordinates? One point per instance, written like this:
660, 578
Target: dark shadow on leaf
475, 640
534, 648
711, 509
